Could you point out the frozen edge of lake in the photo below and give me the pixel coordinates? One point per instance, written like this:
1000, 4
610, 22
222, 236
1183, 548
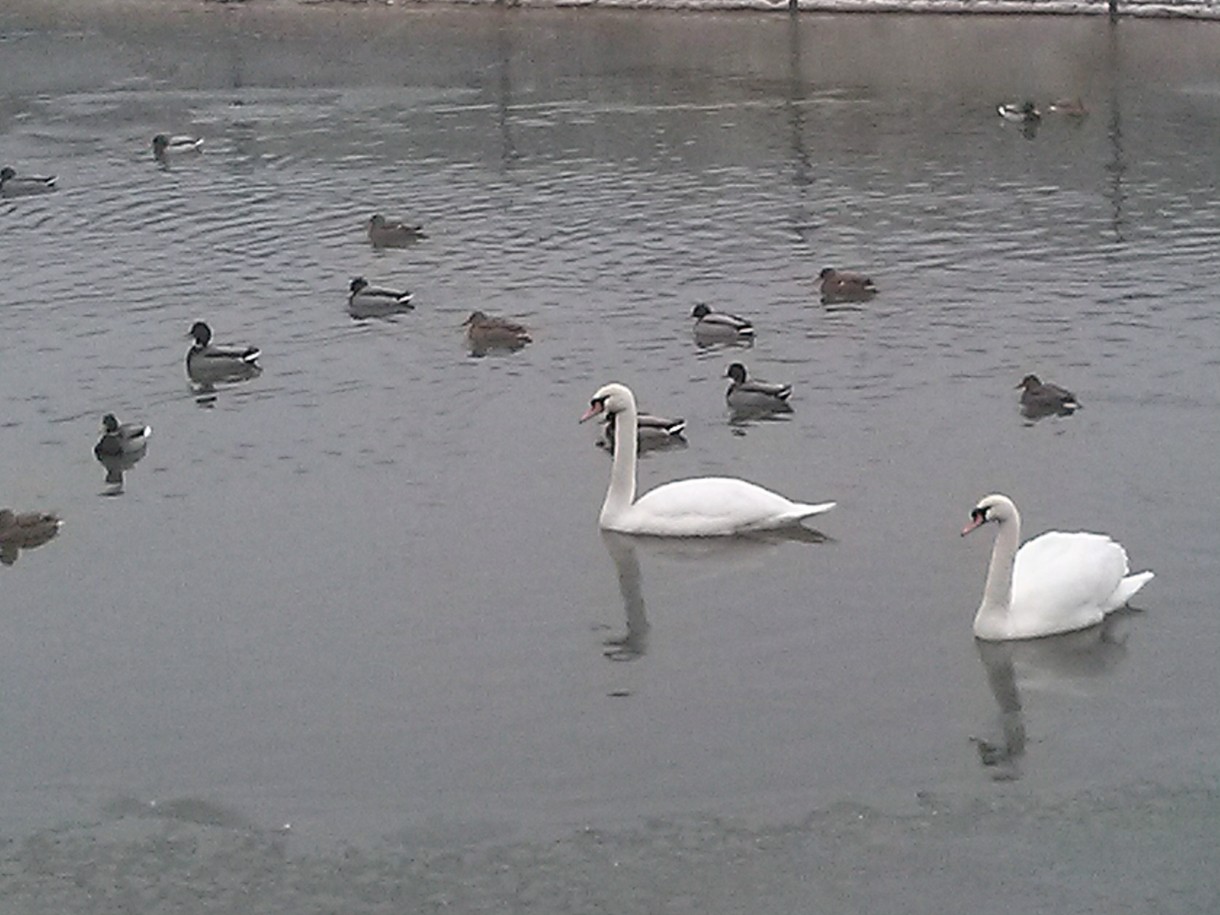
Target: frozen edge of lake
1095, 850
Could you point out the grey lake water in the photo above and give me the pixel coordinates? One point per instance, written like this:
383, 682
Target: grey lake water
348, 639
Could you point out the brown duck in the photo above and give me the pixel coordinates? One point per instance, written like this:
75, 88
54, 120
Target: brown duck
386, 234
844, 286
483, 331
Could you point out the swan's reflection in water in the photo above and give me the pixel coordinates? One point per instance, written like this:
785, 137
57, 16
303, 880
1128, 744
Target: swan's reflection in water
728, 553
633, 642
1053, 665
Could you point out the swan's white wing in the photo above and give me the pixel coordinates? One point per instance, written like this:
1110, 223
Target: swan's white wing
714, 506
1065, 581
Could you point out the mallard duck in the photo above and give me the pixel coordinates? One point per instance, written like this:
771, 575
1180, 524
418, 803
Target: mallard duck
719, 326
367, 301
486, 331
121, 438
1038, 399
651, 432
14, 185
28, 529
745, 393
1023, 113
844, 286
1069, 107
208, 363
384, 234
166, 146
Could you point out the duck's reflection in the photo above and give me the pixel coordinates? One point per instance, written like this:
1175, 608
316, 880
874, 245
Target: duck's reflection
1033, 412
116, 466
1050, 664
728, 553
207, 389
742, 418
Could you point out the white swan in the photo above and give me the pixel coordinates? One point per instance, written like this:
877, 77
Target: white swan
698, 507
1055, 583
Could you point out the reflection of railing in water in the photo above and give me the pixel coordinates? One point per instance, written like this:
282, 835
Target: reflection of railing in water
1117, 166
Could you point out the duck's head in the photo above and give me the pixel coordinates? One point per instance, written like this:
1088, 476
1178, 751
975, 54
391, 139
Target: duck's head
160, 143
110, 424
737, 372
358, 283
6, 173
995, 508
476, 317
1029, 381
201, 333
609, 400
700, 311
826, 273
376, 221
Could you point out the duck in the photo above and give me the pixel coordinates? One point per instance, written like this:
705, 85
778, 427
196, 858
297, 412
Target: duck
845, 286
1024, 113
367, 301
208, 363
484, 331
652, 431
1038, 399
121, 438
719, 326
1069, 107
28, 529
745, 393
694, 507
14, 185
385, 234
165, 146
1056, 583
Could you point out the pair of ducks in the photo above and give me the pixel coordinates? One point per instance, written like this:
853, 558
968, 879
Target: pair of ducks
209, 362
1056, 583
745, 395
121, 445
835, 285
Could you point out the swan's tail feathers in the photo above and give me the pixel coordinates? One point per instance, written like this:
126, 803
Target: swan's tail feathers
1128, 586
808, 511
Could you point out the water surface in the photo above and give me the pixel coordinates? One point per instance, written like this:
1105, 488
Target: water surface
365, 593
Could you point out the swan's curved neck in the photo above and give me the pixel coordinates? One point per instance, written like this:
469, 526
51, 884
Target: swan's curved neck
997, 593
621, 494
